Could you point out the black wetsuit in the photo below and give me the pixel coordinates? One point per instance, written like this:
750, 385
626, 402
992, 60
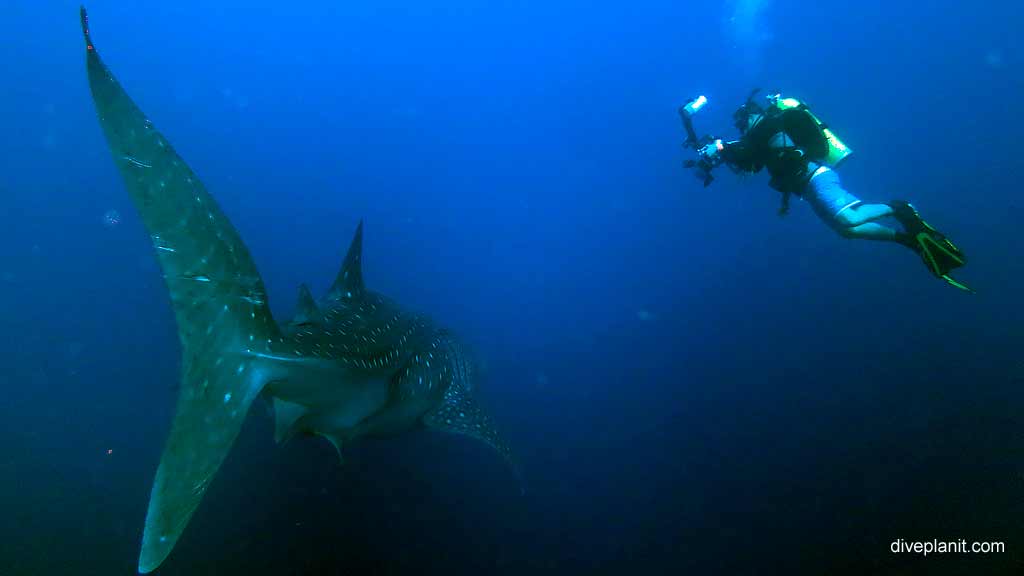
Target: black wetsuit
784, 142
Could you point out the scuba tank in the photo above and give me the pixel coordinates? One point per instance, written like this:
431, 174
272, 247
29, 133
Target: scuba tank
836, 150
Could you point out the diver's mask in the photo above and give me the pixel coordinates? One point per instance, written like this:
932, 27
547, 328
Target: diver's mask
746, 116
743, 116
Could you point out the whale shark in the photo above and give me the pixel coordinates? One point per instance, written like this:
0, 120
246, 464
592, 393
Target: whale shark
348, 365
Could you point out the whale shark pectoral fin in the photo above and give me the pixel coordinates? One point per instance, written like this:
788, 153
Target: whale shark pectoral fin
336, 441
286, 418
460, 413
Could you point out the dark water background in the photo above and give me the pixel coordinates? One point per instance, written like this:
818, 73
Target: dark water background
694, 385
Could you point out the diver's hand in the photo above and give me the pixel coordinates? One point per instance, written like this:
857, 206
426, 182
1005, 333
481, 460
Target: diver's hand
710, 153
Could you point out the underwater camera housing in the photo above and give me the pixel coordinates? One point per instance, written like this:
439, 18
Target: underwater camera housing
707, 147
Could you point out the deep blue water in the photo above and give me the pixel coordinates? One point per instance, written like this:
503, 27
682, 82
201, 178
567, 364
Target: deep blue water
693, 385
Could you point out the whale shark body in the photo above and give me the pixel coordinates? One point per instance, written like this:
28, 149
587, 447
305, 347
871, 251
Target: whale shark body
350, 365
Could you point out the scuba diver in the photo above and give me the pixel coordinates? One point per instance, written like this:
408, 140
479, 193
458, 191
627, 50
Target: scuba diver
800, 153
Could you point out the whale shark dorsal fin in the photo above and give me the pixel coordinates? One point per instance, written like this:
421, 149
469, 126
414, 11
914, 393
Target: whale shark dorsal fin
306, 310
349, 283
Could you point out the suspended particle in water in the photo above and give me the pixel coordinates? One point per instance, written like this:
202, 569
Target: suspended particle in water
111, 218
994, 58
542, 380
644, 315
